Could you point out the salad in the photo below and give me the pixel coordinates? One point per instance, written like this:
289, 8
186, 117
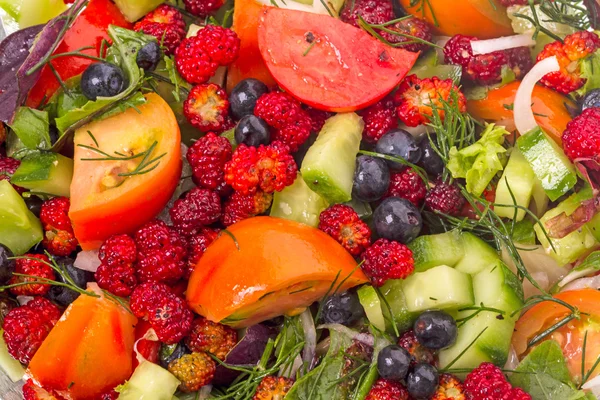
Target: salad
300, 200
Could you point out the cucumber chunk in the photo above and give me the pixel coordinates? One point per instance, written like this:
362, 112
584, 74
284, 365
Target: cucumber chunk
20, 230
440, 287
367, 295
47, 173
397, 312
478, 254
298, 203
13, 369
133, 10
518, 178
433, 250
149, 381
548, 162
328, 167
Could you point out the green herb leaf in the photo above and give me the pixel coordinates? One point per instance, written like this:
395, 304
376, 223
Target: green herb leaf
590, 70
31, 132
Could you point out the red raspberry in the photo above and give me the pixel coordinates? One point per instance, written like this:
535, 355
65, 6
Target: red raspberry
193, 61
574, 49
118, 250
269, 168
242, 206
387, 259
519, 60
118, 279
202, 8
384, 389
418, 353
206, 107
31, 391
198, 208
458, 50
372, 11
207, 157
169, 36
581, 139
408, 185
8, 166
449, 388
486, 69
317, 117
59, 238
343, 224
415, 27
197, 245
171, 319
295, 134
161, 253
379, 119
444, 198
35, 269
222, 44
164, 14
211, 337
26, 327
146, 295
415, 97
487, 382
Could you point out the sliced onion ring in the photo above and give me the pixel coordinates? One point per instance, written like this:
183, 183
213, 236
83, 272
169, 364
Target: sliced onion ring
149, 335
524, 118
310, 336
501, 43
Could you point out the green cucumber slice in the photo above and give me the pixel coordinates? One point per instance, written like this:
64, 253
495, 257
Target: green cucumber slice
440, 287
149, 381
328, 167
298, 203
48, 173
136, 9
519, 178
433, 250
20, 230
369, 299
398, 312
9, 365
478, 254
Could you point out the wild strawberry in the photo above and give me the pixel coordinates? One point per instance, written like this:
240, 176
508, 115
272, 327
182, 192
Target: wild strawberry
384, 389
372, 11
445, 199
202, 8
418, 353
449, 388
295, 134
387, 259
118, 249
408, 185
8, 166
416, 98
408, 29
26, 327
161, 253
458, 50
581, 139
193, 61
488, 382
166, 24
193, 371
211, 337
318, 118
379, 119
167, 313
273, 388
35, 271
519, 60
206, 107
197, 245
240, 206
207, 157
198, 208
59, 238
268, 168
118, 279
222, 44
570, 53
343, 224
31, 391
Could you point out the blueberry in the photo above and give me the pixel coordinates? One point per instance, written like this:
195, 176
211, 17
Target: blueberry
343, 309
397, 219
393, 362
171, 352
591, 99
422, 381
65, 296
252, 131
371, 178
401, 144
242, 99
430, 161
7, 266
34, 204
102, 80
435, 329
148, 56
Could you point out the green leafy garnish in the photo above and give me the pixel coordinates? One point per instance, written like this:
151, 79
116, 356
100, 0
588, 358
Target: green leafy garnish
30, 132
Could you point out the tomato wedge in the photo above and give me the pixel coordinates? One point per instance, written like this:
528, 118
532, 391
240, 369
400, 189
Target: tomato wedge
327, 63
542, 316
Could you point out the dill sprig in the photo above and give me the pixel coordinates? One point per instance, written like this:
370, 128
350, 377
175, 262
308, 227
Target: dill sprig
423, 6
476, 311
586, 375
566, 12
385, 27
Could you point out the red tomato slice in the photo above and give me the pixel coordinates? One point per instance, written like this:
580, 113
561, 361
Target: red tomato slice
89, 29
327, 63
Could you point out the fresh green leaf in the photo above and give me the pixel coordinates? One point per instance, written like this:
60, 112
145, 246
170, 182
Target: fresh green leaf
175, 78
480, 162
523, 232
544, 374
35, 167
590, 70
32, 128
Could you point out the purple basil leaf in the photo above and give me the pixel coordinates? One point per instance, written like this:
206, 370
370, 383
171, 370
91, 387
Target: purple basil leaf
246, 353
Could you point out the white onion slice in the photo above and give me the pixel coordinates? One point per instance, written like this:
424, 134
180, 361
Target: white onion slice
149, 335
524, 118
87, 260
24, 300
593, 385
204, 392
310, 337
583, 283
293, 369
365, 338
501, 43
513, 360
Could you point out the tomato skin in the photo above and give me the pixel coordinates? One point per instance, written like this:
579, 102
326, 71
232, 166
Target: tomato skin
570, 337
89, 29
338, 67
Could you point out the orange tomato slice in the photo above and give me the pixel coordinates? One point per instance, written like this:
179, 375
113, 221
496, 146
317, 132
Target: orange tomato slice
264, 267
103, 201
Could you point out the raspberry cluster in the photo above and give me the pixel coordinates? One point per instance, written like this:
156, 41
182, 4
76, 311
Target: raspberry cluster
166, 24
387, 259
343, 224
59, 238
